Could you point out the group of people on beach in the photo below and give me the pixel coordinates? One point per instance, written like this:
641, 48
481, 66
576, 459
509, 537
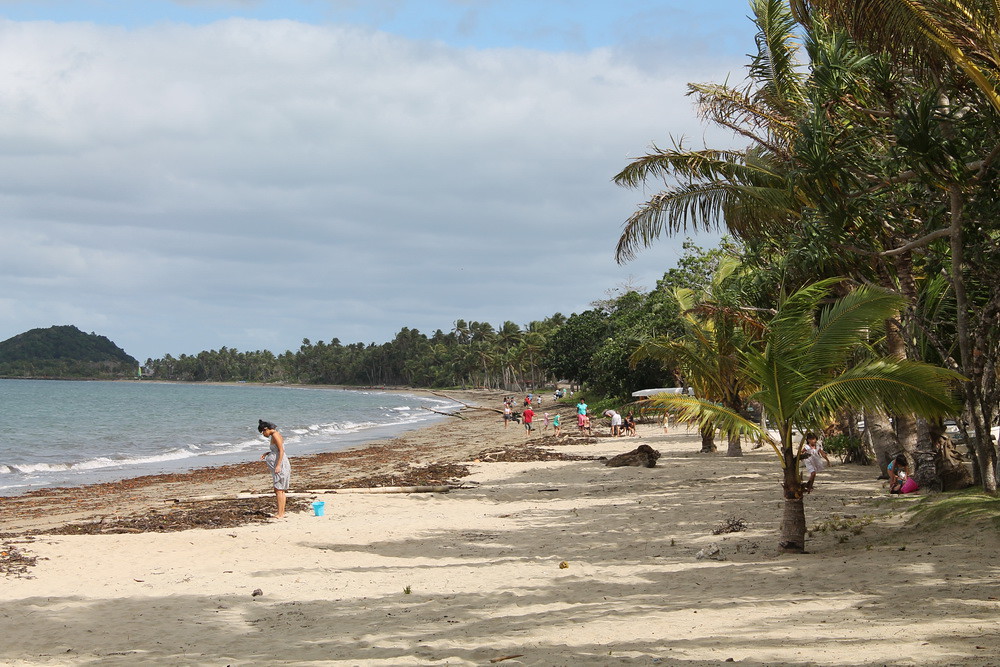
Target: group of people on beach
527, 415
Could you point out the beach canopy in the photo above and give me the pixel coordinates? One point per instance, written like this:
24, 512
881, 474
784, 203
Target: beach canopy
643, 393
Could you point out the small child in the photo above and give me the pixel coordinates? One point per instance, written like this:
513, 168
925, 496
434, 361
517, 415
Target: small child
545, 420
816, 459
555, 425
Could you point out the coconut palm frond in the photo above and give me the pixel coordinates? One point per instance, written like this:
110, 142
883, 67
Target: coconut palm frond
696, 410
851, 318
696, 206
774, 68
732, 106
897, 386
687, 166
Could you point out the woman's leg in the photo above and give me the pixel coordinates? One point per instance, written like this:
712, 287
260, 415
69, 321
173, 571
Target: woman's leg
280, 495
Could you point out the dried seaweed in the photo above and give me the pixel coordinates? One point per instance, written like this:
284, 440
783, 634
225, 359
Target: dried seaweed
218, 514
526, 454
13, 561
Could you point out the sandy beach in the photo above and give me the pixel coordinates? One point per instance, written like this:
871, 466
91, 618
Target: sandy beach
554, 562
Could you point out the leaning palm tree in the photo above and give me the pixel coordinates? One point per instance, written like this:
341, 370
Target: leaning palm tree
803, 374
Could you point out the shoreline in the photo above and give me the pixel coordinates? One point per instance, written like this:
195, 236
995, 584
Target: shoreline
49, 507
556, 562
155, 465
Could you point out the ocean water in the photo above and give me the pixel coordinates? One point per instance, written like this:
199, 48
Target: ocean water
66, 433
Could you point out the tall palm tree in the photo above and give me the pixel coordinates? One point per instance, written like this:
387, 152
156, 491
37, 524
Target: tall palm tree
803, 375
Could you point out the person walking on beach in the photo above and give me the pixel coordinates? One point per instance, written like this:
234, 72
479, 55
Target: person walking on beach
277, 461
581, 412
555, 424
508, 414
527, 416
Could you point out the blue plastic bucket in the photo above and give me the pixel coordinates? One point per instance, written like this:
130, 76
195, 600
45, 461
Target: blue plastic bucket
318, 507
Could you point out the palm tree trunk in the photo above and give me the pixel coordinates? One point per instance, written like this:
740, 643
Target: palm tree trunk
708, 440
884, 440
793, 519
906, 424
925, 471
734, 446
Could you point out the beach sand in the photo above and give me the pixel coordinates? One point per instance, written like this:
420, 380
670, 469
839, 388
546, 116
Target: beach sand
555, 562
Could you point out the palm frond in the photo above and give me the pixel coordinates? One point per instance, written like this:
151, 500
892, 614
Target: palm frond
774, 67
696, 410
898, 386
848, 320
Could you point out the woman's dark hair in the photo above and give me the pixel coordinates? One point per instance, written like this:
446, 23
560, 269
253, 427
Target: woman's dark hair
901, 459
263, 426
811, 436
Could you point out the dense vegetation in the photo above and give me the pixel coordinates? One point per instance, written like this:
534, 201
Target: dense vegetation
64, 352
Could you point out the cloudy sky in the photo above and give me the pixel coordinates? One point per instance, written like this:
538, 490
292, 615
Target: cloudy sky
180, 176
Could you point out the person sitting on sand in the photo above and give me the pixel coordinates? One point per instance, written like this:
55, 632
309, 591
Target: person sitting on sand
899, 476
277, 461
815, 458
629, 424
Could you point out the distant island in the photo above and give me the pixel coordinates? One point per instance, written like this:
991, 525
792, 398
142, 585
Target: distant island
64, 352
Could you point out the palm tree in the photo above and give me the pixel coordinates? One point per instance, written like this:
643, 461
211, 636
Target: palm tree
802, 374
707, 354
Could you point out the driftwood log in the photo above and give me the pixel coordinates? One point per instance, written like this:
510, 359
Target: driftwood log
642, 456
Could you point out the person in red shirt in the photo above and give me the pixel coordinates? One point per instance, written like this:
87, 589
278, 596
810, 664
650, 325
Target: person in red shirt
527, 416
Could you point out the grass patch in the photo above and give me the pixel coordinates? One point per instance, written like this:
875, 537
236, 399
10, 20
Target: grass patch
967, 507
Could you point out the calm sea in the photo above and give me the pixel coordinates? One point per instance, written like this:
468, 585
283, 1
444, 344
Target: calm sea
59, 433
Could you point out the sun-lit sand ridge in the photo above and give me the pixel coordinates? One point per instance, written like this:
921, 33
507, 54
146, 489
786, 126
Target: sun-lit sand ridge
474, 575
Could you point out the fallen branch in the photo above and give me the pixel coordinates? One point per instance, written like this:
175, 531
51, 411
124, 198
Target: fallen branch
446, 414
466, 405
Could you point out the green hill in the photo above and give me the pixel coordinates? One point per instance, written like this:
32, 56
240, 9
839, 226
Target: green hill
64, 351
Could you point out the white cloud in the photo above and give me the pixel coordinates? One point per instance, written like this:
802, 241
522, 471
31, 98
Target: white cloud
164, 184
